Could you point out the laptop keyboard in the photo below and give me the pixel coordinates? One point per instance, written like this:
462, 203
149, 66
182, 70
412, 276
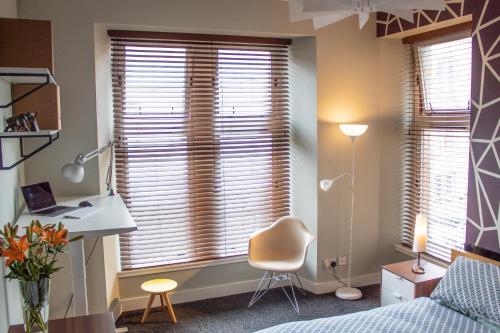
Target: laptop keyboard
56, 211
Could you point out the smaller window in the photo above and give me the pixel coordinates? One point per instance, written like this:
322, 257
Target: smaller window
437, 142
446, 75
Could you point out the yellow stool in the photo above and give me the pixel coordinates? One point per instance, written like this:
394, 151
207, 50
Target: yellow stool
159, 287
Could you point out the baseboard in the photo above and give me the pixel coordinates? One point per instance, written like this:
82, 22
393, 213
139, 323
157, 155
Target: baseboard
331, 286
194, 294
221, 290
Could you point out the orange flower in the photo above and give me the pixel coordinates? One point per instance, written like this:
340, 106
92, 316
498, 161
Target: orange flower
54, 237
16, 250
36, 229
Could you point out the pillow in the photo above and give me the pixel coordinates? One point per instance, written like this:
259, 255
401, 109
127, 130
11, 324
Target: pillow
471, 287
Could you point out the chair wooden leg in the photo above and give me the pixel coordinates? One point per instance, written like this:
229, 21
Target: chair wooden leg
170, 308
148, 308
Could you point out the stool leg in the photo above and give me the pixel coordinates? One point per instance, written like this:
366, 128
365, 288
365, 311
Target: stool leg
162, 303
148, 308
170, 308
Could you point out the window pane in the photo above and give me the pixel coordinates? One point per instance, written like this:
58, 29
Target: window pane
202, 157
245, 112
444, 173
446, 75
154, 129
436, 149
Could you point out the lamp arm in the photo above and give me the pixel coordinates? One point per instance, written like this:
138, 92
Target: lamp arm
81, 159
341, 176
95, 152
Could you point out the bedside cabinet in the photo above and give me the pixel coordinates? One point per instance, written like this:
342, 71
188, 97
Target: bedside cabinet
400, 284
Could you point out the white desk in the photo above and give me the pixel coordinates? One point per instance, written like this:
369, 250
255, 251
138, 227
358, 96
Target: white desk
111, 218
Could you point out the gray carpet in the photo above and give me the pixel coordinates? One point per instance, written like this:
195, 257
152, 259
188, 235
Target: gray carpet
230, 314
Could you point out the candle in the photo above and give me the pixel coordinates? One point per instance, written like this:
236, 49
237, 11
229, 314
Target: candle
420, 234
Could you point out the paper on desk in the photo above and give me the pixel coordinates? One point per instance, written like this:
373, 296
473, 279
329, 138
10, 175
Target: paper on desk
81, 213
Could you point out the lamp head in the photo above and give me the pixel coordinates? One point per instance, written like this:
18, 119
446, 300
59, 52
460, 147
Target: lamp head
353, 130
420, 234
74, 172
326, 184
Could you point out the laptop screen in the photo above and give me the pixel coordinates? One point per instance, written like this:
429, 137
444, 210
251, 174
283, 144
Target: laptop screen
38, 196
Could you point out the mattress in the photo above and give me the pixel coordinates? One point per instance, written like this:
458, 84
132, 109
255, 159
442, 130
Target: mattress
419, 315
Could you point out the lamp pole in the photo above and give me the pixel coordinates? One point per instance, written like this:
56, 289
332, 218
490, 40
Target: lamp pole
353, 131
353, 138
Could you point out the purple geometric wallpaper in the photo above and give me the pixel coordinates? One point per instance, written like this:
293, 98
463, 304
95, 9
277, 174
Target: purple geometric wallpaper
388, 24
483, 209
483, 201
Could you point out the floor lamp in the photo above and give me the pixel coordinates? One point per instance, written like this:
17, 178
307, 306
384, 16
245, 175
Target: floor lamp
353, 131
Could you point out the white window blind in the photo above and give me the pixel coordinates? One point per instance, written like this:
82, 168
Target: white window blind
437, 141
202, 126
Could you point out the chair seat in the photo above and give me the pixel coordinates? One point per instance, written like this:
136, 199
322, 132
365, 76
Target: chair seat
159, 286
278, 265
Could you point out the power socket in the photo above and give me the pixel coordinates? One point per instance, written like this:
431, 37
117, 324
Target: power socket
327, 263
342, 261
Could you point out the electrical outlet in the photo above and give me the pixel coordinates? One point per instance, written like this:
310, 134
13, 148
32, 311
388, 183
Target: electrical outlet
328, 262
342, 261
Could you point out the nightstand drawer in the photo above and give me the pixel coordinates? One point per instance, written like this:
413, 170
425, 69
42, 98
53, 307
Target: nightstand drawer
388, 297
397, 286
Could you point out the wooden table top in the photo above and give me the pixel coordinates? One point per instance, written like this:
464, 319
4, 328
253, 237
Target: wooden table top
102, 323
403, 269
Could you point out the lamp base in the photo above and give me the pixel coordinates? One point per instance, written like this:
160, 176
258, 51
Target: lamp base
348, 293
417, 269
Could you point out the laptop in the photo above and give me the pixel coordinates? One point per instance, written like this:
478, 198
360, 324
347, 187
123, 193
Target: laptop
40, 201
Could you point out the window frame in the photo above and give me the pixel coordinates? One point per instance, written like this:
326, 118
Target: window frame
425, 119
192, 168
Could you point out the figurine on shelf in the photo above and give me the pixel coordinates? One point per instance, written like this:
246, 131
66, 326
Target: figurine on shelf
33, 124
25, 122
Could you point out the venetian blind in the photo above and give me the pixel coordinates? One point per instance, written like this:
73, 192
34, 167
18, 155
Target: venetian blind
437, 140
202, 126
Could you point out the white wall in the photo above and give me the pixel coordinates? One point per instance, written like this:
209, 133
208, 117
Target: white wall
10, 180
391, 98
304, 155
8, 8
10, 308
350, 87
358, 81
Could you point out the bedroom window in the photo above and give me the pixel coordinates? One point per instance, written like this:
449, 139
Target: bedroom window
202, 127
437, 141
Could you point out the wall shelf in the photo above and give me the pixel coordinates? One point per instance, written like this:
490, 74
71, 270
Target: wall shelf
39, 134
50, 135
15, 75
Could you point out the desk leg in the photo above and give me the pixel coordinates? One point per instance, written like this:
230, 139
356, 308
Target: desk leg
79, 278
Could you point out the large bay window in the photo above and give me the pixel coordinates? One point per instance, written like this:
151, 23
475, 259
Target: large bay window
437, 141
202, 127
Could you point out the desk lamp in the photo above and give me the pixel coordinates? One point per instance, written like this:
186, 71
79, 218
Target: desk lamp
74, 172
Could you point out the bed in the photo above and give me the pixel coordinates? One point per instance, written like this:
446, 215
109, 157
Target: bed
446, 312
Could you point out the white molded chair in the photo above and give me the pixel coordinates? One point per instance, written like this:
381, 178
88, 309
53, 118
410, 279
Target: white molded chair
279, 250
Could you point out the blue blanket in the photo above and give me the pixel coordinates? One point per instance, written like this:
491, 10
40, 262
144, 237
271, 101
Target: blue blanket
419, 315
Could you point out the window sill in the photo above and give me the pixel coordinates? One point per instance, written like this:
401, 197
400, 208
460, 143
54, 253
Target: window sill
181, 267
406, 250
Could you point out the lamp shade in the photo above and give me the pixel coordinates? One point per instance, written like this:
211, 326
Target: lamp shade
353, 130
73, 172
420, 234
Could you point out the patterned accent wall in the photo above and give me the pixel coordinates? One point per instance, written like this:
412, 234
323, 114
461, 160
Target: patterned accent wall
388, 24
483, 211
483, 207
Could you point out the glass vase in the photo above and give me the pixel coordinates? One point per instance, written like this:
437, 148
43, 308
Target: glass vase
35, 304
